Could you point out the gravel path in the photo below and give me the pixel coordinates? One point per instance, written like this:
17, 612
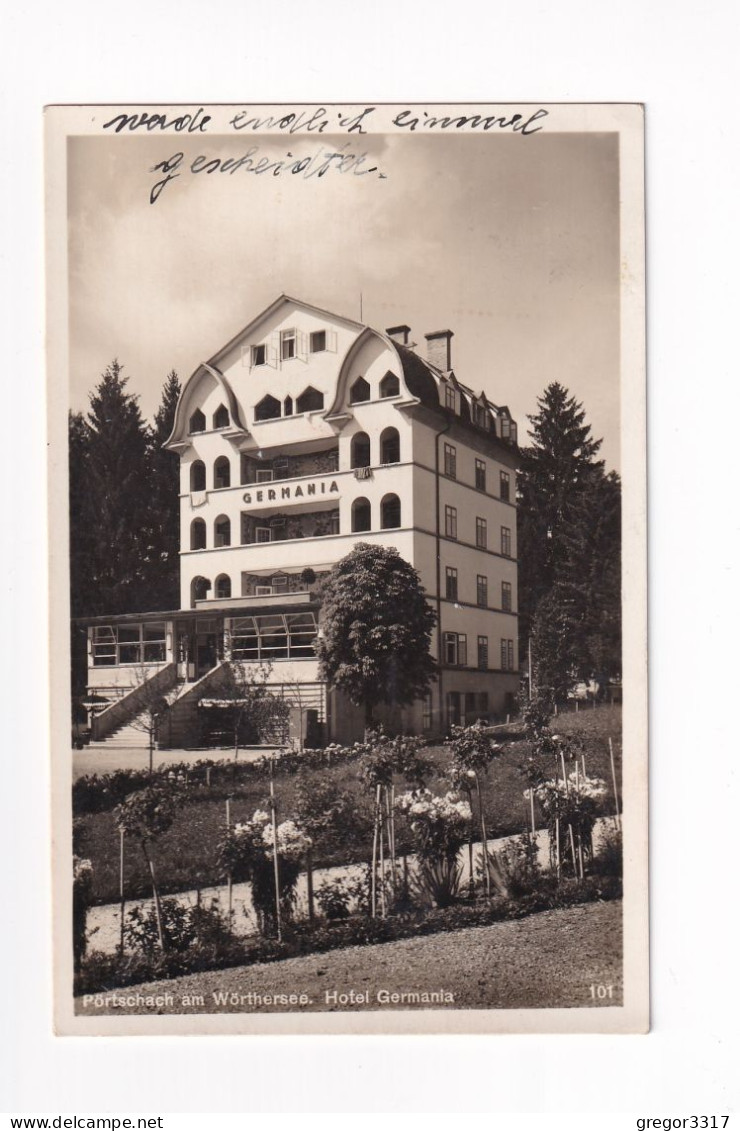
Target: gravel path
548, 960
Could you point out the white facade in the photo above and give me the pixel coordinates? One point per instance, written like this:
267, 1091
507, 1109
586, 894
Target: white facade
308, 432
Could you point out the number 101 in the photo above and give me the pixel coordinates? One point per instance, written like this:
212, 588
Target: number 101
600, 992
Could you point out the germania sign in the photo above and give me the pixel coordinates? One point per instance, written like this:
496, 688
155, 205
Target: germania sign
272, 494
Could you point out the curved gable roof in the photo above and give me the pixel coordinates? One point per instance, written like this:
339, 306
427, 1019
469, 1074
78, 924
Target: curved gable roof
179, 428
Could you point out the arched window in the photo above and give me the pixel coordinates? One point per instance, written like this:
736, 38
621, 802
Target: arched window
390, 446
360, 450
390, 512
288, 406
310, 400
361, 516
222, 531
199, 587
221, 417
223, 585
197, 475
390, 386
197, 421
360, 391
222, 472
197, 534
267, 409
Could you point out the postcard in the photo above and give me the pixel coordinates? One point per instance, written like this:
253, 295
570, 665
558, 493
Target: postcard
348, 529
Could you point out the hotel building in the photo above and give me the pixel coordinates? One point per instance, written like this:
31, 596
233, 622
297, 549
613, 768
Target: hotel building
304, 434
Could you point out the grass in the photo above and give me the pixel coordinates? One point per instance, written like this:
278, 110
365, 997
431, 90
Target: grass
185, 855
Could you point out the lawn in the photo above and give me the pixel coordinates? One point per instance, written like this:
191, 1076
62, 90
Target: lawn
547, 960
185, 855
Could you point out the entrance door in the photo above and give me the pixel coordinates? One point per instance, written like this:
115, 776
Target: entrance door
453, 708
206, 656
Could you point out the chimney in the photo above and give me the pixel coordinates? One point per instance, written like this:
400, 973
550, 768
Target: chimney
439, 349
399, 334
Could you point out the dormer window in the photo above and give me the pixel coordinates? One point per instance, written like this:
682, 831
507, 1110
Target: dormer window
197, 421
450, 401
287, 344
318, 341
310, 400
267, 409
221, 417
390, 386
359, 392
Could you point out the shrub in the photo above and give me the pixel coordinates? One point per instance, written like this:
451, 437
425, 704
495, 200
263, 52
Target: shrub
514, 868
334, 899
440, 828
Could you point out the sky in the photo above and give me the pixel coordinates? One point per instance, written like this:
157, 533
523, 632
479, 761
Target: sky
511, 242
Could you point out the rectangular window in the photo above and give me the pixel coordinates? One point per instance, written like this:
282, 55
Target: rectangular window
505, 427
128, 644
318, 341
426, 713
505, 486
450, 522
506, 596
450, 398
507, 655
456, 649
506, 541
259, 355
450, 461
481, 591
287, 344
264, 475
451, 583
483, 653
263, 534
480, 475
481, 533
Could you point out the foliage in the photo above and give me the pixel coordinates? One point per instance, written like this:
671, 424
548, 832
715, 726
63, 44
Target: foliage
569, 547
252, 712
247, 852
334, 898
537, 712
440, 828
332, 817
102, 972
82, 875
473, 752
567, 805
375, 629
514, 868
384, 757
164, 499
607, 859
140, 932
149, 812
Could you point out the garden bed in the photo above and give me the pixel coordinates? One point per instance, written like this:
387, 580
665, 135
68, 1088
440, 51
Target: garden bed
186, 853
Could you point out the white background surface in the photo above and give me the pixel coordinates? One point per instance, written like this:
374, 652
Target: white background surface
680, 60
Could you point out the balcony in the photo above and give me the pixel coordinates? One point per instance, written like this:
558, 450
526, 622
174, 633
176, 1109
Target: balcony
255, 601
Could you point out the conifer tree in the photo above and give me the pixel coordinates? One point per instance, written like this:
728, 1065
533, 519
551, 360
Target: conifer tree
165, 501
118, 499
569, 547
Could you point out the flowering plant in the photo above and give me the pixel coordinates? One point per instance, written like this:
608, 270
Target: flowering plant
247, 852
439, 825
569, 805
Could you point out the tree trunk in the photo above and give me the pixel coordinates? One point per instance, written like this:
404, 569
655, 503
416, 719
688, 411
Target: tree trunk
484, 835
155, 893
309, 884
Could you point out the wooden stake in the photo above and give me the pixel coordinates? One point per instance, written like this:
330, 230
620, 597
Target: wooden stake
382, 858
273, 809
373, 874
557, 845
121, 887
229, 877
486, 862
583, 763
565, 776
573, 850
309, 884
614, 783
531, 806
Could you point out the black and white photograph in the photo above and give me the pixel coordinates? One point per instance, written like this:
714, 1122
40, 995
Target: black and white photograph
348, 531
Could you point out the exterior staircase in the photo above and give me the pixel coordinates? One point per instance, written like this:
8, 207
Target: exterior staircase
132, 735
